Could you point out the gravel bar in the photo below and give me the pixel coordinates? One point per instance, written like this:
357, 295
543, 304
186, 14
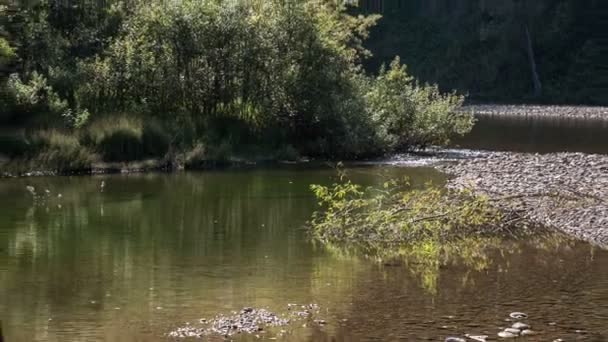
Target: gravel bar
565, 112
565, 191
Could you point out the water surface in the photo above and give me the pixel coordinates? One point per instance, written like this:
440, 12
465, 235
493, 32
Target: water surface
147, 253
537, 134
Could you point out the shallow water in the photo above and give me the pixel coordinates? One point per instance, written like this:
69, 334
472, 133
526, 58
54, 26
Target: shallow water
537, 134
149, 253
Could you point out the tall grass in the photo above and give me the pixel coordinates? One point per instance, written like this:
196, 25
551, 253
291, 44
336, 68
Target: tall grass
59, 151
122, 138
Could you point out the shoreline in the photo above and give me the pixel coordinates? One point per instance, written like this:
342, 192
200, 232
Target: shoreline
148, 166
563, 191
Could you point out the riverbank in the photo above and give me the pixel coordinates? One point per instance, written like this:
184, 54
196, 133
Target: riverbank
8, 170
565, 191
548, 111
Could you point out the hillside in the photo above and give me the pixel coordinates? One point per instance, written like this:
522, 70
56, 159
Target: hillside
481, 47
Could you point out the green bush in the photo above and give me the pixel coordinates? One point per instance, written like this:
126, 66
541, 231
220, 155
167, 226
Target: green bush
125, 138
408, 114
55, 150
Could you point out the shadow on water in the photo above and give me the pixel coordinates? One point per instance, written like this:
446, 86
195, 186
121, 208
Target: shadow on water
537, 134
151, 252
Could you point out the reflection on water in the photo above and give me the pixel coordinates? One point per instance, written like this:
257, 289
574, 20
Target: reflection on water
537, 134
151, 252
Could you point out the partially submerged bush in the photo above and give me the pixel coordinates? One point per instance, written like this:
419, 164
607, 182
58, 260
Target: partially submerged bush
397, 214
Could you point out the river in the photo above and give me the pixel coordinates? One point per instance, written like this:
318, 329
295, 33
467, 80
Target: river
133, 257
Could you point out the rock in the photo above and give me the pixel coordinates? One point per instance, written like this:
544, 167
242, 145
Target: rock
528, 332
247, 321
479, 338
513, 331
455, 339
518, 315
520, 326
506, 334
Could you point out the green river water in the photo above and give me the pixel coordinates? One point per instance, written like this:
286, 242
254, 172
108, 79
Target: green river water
147, 253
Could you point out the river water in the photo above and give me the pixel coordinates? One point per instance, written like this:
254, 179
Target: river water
133, 257
537, 134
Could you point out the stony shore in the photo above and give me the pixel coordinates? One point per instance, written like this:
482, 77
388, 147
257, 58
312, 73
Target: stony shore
565, 191
564, 112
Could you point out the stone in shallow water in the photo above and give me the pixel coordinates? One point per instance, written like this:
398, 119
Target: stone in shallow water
518, 315
479, 338
506, 334
520, 326
513, 331
528, 332
455, 339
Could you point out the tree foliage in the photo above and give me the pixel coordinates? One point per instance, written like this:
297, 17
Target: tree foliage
272, 73
397, 214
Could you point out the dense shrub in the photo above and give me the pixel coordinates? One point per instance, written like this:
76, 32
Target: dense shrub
408, 114
124, 138
55, 150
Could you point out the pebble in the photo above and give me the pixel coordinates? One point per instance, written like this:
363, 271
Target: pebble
528, 332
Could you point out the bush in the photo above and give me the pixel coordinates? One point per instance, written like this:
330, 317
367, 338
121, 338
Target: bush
407, 114
55, 150
32, 99
398, 214
126, 138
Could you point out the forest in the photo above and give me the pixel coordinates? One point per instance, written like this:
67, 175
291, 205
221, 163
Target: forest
483, 48
192, 81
